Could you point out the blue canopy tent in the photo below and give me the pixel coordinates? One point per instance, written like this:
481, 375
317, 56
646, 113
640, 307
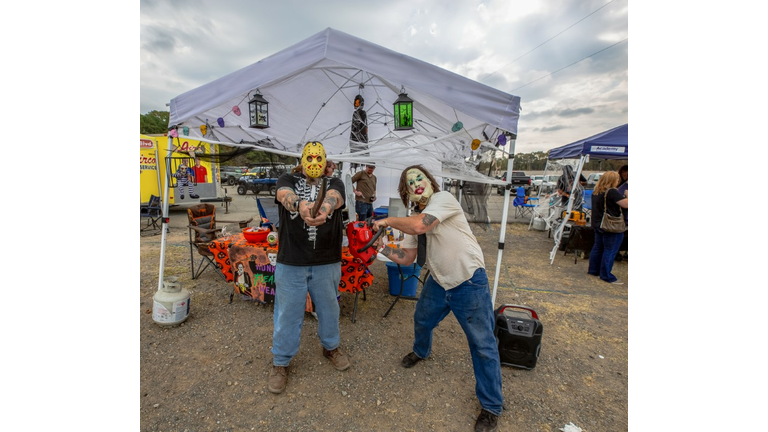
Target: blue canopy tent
610, 144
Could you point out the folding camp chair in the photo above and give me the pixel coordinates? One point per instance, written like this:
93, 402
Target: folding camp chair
153, 212
587, 207
202, 222
522, 208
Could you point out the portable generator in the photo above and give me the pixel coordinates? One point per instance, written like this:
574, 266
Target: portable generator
519, 334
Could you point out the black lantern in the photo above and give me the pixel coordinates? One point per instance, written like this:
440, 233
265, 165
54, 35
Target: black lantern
259, 111
403, 111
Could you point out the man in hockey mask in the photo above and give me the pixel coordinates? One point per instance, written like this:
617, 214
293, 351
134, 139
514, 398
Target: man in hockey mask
308, 261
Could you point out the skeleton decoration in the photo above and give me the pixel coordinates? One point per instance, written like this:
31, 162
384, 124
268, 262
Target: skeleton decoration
358, 135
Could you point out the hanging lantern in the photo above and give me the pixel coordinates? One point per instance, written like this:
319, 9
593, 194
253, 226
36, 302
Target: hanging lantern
403, 111
259, 111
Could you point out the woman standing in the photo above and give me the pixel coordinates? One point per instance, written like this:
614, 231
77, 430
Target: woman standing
606, 198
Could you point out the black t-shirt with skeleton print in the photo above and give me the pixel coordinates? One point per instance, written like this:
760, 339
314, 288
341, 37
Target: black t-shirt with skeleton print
300, 244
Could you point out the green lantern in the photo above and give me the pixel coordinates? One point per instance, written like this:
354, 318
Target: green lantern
259, 112
403, 111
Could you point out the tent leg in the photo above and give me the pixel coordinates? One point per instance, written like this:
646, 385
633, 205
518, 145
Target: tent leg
504, 213
165, 216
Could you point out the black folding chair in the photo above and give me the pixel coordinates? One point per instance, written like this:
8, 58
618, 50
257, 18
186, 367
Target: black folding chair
153, 212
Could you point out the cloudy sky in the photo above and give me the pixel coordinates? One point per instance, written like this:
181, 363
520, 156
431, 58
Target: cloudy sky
567, 60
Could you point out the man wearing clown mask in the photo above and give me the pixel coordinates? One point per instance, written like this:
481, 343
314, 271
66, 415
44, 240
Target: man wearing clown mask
308, 261
437, 233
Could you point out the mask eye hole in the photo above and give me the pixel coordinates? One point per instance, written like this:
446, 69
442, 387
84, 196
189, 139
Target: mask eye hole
319, 158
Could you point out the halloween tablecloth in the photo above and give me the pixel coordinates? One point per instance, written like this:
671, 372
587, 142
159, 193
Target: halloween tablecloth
256, 279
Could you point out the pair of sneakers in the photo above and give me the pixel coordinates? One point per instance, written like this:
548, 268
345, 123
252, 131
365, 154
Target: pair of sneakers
278, 375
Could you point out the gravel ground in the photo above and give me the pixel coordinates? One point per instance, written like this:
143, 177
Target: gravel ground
210, 372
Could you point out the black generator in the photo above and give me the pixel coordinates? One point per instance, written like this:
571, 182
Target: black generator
519, 335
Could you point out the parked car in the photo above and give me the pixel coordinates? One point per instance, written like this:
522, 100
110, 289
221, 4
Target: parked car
231, 174
518, 179
255, 184
593, 179
549, 184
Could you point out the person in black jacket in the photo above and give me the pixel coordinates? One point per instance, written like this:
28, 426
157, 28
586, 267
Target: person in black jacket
606, 198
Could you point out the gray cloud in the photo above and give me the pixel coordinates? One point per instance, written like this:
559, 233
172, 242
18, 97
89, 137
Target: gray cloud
185, 44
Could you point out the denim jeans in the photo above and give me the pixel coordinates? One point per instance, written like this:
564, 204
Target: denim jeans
364, 210
291, 286
603, 253
471, 304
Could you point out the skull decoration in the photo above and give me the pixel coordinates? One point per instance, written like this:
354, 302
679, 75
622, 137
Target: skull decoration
313, 159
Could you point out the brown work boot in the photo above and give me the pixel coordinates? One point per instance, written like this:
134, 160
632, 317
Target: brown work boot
487, 422
278, 377
338, 358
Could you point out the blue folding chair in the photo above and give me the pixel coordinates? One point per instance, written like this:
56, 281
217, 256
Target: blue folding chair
263, 215
521, 207
587, 205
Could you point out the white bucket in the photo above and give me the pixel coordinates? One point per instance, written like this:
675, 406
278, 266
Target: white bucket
171, 303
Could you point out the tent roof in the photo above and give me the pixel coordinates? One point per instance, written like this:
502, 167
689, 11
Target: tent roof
311, 87
610, 144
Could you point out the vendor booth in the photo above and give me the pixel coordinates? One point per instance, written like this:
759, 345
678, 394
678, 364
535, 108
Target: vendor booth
366, 104
610, 144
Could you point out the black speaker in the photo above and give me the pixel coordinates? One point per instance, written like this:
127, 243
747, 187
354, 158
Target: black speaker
519, 335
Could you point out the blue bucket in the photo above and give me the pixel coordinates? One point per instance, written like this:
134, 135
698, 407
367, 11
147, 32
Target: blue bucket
409, 286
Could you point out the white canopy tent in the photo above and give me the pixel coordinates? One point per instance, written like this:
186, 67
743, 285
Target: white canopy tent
311, 87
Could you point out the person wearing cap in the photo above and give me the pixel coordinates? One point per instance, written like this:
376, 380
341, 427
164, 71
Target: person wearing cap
365, 192
438, 235
308, 261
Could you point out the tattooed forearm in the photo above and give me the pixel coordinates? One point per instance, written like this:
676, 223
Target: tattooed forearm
290, 200
428, 219
388, 251
331, 202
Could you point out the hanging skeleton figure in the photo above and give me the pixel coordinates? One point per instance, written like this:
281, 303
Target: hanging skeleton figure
184, 177
359, 129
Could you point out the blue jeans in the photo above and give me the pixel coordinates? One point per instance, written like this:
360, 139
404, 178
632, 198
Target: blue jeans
471, 304
364, 210
291, 286
603, 253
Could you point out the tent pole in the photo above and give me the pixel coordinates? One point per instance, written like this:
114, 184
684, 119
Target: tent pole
165, 214
504, 212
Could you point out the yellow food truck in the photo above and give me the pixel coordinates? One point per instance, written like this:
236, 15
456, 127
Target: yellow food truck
191, 179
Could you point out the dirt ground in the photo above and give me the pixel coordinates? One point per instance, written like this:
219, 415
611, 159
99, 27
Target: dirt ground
210, 372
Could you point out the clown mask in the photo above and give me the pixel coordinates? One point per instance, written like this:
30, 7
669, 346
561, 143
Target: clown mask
419, 186
313, 159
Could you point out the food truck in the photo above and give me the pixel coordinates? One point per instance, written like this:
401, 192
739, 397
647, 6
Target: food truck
192, 179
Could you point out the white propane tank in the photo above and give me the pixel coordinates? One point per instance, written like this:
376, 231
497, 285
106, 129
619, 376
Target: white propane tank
171, 303
539, 224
